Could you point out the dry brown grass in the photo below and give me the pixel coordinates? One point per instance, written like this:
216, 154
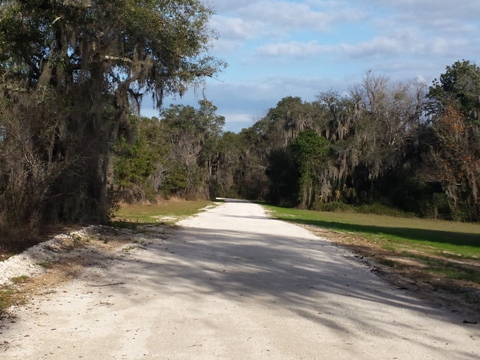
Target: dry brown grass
69, 265
163, 212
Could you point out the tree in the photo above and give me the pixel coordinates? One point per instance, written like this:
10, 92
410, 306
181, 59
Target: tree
31, 157
284, 177
459, 86
453, 157
309, 151
371, 135
390, 116
193, 135
139, 166
229, 165
98, 58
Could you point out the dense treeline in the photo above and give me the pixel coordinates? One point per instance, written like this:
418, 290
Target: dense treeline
176, 156
400, 145
72, 76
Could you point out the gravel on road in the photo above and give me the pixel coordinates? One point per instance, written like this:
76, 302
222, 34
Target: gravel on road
232, 283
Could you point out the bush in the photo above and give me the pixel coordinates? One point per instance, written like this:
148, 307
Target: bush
381, 209
332, 207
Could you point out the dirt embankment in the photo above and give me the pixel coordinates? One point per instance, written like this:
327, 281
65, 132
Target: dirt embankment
66, 256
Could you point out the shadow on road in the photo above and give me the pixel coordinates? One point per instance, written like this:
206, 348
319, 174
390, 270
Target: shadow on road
312, 278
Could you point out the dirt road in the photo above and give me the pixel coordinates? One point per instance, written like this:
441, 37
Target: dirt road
233, 284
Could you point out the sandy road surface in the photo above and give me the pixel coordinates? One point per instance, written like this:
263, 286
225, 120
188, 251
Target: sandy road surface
233, 284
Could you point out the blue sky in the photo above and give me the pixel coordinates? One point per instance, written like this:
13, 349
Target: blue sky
278, 48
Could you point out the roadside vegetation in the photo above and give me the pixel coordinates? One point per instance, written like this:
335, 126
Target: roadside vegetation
433, 254
161, 213
72, 78
8, 297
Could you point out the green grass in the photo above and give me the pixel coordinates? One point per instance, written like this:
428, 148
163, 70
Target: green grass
164, 213
7, 297
45, 264
20, 279
395, 233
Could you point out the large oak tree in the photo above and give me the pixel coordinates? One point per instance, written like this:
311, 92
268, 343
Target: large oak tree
95, 59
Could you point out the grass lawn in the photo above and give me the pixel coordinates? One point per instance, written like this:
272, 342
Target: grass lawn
445, 255
446, 237
167, 212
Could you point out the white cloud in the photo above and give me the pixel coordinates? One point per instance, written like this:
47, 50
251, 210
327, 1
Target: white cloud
284, 17
288, 16
233, 32
376, 46
229, 5
465, 8
293, 48
436, 16
278, 18
409, 28
235, 28
238, 118
404, 43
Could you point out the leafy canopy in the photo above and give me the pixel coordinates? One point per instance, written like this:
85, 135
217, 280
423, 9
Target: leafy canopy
159, 46
459, 86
